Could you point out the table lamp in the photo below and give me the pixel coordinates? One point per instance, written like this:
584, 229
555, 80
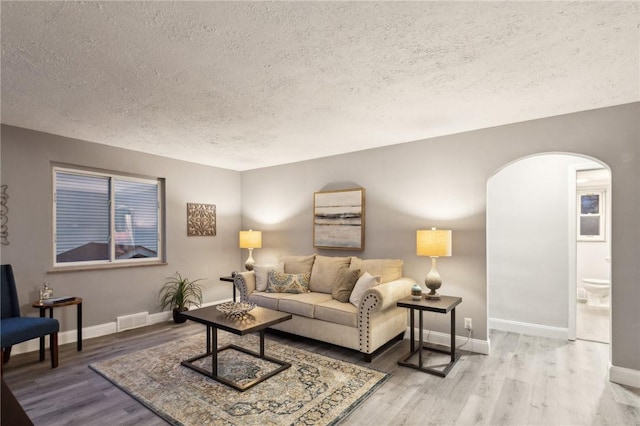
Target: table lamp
250, 239
433, 243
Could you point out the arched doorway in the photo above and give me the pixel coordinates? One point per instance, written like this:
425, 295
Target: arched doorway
532, 247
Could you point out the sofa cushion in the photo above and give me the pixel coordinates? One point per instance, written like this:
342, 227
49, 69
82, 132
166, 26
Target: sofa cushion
298, 264
325, 269
267, 300
279, 282
388, 269
343, 285
302, 304
261, 272
364, 283
337, 312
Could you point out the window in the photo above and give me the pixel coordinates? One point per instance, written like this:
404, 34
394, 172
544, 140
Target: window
102, 218
591, 216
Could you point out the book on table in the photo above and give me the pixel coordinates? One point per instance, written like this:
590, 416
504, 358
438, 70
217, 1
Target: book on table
55, 300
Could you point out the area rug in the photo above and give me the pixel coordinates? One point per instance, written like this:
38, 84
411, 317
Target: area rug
316, 390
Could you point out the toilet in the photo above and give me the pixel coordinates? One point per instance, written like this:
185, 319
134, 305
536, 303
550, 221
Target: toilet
598, 291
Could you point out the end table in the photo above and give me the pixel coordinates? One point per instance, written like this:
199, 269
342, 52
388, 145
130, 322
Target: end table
443, 305
230, 280
43, 306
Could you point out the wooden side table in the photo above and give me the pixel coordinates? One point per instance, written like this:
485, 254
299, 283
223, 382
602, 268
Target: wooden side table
44, 306
230, 280
442, 306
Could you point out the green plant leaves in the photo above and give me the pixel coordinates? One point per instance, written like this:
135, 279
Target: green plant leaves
181, 293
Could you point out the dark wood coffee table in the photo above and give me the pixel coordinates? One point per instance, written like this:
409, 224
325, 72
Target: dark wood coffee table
258, 319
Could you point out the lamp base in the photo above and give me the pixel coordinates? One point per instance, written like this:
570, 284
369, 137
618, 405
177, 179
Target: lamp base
434, 296
433, 281
250, 262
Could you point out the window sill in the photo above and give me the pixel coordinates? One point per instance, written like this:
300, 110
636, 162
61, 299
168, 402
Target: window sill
77, 268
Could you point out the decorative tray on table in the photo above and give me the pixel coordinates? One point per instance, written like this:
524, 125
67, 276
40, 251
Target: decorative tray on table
235, 309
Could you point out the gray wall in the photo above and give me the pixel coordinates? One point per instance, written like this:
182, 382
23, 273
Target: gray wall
437, 182
528, 240
442, 182
26, 169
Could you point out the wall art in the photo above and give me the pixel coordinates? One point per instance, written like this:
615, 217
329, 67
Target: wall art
338, 219
201, 220
4, 216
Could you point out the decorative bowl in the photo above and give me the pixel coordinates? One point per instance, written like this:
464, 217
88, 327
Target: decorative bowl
235, 309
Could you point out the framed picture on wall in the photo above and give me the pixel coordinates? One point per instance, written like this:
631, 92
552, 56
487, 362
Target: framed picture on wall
338, 219
591, 209
201, 220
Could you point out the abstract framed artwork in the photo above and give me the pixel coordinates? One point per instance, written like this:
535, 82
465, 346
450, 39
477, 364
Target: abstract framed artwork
338, 219
591, 218
201, 220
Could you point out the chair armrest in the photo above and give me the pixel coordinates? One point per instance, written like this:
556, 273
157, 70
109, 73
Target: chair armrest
384, 296
245, 283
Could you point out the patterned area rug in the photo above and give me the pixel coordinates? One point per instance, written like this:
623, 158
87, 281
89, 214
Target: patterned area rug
316, 390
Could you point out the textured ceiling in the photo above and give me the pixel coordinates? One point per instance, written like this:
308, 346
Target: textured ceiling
243, 85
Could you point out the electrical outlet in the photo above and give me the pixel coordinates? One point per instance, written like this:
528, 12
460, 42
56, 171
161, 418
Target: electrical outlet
467, 324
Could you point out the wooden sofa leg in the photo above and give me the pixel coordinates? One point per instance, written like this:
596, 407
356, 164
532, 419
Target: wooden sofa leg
368, 357
53, 346
6, 354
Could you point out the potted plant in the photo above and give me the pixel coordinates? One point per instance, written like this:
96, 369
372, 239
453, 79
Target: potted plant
178, 293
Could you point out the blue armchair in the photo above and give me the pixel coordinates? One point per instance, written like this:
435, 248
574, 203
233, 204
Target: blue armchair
15, 329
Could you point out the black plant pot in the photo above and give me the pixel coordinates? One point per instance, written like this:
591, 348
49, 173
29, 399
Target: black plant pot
178, 318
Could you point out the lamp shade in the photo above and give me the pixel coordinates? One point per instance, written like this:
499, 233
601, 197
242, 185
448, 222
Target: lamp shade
433, 242
250, 239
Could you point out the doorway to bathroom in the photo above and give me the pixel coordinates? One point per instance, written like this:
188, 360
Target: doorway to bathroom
593, 254
532, 247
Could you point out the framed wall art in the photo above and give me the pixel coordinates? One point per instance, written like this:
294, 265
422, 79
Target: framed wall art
591, 209
338, 219
201, 220
4, 218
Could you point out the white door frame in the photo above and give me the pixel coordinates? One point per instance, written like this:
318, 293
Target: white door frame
573, 246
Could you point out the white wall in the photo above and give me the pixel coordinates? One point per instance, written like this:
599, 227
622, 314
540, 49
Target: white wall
26, 169
528, 241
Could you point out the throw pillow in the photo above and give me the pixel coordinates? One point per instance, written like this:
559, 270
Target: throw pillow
364, 283
388, 269
298, 264
279, 282
261, 274
343, 285
323, 273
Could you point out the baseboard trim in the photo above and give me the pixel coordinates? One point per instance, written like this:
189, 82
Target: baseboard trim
529, 328
71, 336
624, 376
444, 339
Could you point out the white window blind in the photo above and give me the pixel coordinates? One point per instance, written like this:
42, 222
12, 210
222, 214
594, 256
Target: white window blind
102, 218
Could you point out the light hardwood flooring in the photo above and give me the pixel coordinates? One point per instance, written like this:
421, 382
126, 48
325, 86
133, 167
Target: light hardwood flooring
525, 381
592, 322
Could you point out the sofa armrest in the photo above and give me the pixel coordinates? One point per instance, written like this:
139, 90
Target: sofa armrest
384, 296
377, 308
245, 283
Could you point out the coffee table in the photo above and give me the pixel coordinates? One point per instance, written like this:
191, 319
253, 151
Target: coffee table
257, 320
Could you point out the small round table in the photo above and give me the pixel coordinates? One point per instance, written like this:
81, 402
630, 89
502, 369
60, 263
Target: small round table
43, 306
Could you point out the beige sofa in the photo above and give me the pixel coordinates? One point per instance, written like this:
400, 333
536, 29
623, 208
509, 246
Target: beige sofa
375, 321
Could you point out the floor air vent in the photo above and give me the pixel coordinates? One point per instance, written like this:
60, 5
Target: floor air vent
127, 322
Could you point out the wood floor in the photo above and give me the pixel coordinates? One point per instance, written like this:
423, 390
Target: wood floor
525, 381
592, 323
